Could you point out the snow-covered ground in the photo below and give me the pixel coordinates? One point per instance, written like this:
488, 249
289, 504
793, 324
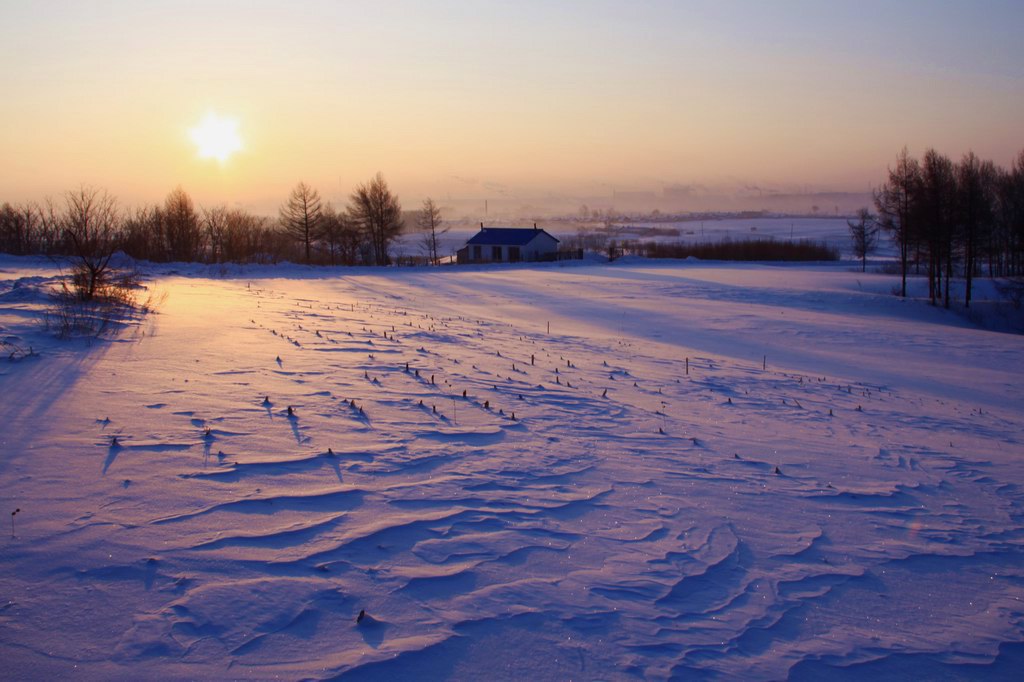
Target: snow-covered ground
740, 471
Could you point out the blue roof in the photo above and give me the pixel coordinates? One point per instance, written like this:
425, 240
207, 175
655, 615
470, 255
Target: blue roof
506, 236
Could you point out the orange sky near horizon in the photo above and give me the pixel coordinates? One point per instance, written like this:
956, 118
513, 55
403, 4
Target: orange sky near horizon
517, 100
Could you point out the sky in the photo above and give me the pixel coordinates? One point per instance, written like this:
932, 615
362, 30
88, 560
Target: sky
521, 101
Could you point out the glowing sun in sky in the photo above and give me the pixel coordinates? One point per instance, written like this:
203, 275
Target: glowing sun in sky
216, 137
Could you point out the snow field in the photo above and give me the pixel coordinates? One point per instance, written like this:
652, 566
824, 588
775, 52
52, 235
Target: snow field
743, 471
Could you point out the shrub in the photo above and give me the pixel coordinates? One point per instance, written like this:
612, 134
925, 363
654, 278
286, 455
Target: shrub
114, 300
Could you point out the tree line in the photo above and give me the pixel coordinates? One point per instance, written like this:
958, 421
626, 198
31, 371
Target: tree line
88, 222
951, 219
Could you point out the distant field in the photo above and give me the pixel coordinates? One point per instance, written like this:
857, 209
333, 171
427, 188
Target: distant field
833, 231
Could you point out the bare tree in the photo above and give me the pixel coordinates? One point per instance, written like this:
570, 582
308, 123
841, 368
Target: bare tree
215, 222
182, 228
51, 223
379, 213
347, 239
938, 191
90, 223
958, 215
897, 208
864, 233
245, 237
429, 221
1010, 213
340, 235
975, 185
17, 229
11, 230
142, 229
301, 216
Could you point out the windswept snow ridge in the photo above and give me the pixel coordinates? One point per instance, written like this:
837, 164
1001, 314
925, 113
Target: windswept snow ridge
746, 472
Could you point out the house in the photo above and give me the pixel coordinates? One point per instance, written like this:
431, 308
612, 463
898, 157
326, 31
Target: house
508, 245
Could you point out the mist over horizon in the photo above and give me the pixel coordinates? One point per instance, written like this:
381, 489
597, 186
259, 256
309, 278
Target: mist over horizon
472, 199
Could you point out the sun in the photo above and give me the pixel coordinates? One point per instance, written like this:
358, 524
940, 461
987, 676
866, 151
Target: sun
216, 137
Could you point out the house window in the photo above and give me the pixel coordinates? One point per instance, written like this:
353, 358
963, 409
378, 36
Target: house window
495, 253
477, 255
513, 254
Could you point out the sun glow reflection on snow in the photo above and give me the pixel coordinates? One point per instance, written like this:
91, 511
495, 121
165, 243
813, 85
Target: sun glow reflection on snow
216, 137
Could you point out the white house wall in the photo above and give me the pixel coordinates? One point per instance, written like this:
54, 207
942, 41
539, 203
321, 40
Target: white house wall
540, 245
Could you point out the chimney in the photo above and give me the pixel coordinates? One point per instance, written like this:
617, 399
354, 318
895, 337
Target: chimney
481, 226
535, 226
